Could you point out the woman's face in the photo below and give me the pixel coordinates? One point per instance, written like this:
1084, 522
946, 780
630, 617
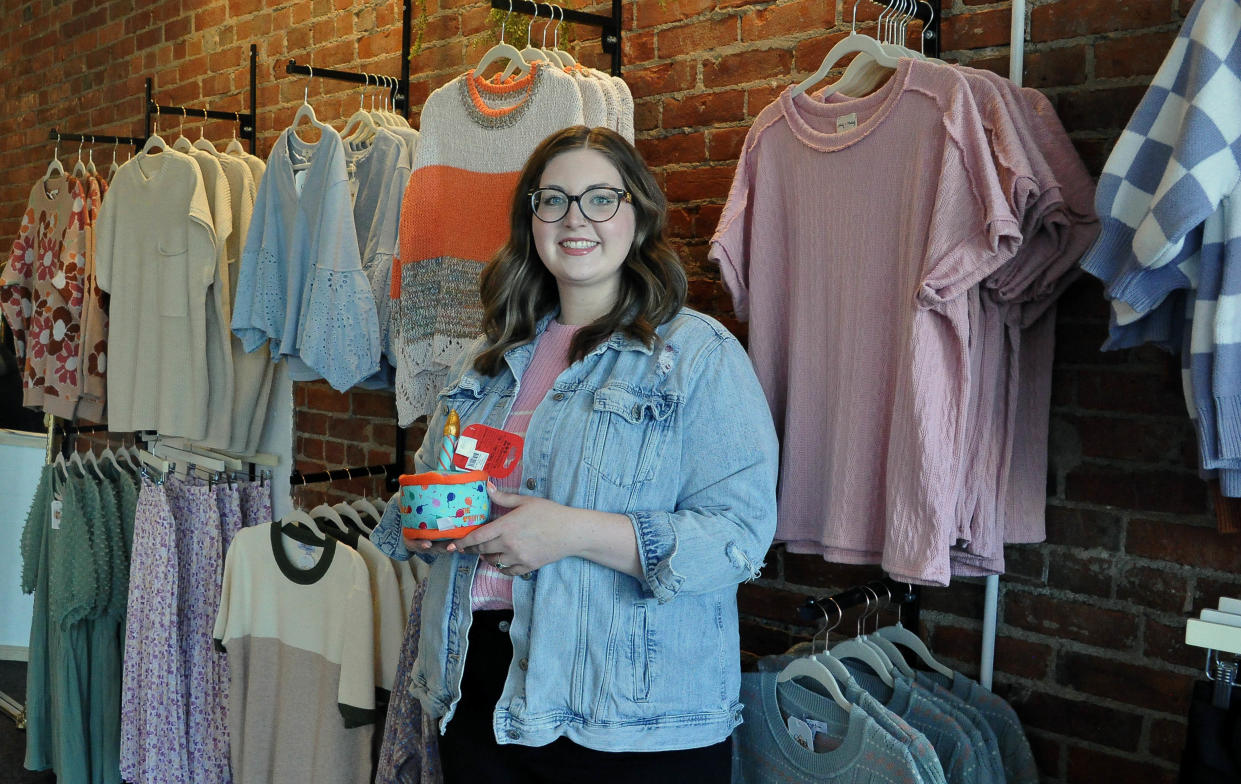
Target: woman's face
584, 256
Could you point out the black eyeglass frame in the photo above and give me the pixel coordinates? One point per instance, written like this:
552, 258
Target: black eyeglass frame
623, 194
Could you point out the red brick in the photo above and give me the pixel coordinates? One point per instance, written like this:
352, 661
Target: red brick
1086, 718
637, 48
708, 182
646, 115
1135, 393
1098, 110
1083, 528
759, 98
1081, 574
798, 16
1167, 739
333, 454
1154, 490
1071, 620
680, 225
1132, 55
1091, 764
747, 66
321, 397
724, 144
1151, 440
312, 449
676, 148
1197, 546
975, 29
1070, 18
1059, 67
696, 37
669, 11
1166, 643
380, 405
771, 604
662, 78
701, 109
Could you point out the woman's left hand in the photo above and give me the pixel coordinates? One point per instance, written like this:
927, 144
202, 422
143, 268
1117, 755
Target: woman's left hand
533, 533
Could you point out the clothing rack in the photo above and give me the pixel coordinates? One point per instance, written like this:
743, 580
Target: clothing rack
609, 26
391, 471
888, 591
399, 91
93, 138
246, 120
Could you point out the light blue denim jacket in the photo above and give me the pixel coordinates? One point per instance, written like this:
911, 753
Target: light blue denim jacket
680, 439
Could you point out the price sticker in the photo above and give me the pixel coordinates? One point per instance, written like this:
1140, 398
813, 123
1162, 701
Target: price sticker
493, 450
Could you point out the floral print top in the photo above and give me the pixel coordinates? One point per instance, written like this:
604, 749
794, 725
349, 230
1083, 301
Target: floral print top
41, 294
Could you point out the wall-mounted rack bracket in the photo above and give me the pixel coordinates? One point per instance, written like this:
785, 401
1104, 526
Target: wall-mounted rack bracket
245, 120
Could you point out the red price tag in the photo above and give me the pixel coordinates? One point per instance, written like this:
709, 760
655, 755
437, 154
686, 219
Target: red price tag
481, 447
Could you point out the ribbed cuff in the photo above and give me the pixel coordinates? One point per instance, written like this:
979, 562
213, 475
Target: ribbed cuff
1228, 425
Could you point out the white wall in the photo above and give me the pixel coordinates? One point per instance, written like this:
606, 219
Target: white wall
21, 457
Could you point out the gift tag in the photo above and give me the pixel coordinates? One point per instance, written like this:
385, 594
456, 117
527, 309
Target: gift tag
493, 450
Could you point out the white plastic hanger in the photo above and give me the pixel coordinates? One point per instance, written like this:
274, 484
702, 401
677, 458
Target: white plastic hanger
855, 43
325, 512
817, 670
364, 505
234, 144
898, 634
182, 144
298, 517
201, 143
502, 51
79, 168
113, 167
92, 464
565, 58
154, 142
90, 160
55, 168
859, 650
361, 126
306, 112
60, 467
532, 53
349, 515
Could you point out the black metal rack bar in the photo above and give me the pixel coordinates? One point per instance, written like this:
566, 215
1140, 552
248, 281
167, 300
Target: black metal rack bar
94, 138
399, 91
904, 594
246, 120
392, 471
609, 26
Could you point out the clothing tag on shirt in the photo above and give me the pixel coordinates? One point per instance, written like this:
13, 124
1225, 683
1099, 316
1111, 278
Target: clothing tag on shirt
305, 555
824, 739
801, 733
846, 122
299, 180
56, 510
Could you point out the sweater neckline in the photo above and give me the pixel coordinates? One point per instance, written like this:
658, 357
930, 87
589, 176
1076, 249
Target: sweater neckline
313, 152
806, 115
477, 91
820, 765
301, 576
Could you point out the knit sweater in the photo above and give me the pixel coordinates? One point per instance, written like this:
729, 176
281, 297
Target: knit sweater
93, 353
475, 139
41, 294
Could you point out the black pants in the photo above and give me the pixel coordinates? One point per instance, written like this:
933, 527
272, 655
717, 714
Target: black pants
469, 752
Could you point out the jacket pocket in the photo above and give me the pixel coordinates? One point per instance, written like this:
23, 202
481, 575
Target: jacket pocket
626, 433
640, 651
174, 284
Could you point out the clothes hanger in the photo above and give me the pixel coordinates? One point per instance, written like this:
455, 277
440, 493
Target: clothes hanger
234, 145
532, 53
55, 168
922, 38
858, 650
201, 142
889, 650
325, 512
79, 168
350, 516
298, 517
566, 59
898, 634
864, 75
502, 51
365, 506
397, 120
813, 668
360, 127
306, 111
154, 143
854, 43
90, 160
182, 144
114, 167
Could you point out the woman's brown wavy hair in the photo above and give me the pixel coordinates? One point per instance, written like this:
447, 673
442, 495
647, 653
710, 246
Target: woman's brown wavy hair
517, 290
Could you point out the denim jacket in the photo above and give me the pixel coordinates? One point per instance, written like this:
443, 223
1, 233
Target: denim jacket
679, 438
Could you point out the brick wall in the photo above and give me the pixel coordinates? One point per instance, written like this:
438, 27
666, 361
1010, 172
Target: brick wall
1091, 623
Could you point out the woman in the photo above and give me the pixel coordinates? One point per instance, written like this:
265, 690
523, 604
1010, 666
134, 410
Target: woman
645, 495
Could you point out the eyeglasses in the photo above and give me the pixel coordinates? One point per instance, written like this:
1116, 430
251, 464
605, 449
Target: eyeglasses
597, 204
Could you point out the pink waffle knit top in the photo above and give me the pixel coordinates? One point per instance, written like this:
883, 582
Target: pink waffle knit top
852, 233
493, 590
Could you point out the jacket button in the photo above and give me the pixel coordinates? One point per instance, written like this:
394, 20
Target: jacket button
503, 626
513, 734
531, 484
558, 396
524, 664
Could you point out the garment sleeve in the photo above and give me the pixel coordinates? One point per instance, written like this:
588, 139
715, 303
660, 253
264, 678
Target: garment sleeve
356, 691
17, 283
725, 515
338, 335
973, 230
259, 302
221, 633
731, 242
